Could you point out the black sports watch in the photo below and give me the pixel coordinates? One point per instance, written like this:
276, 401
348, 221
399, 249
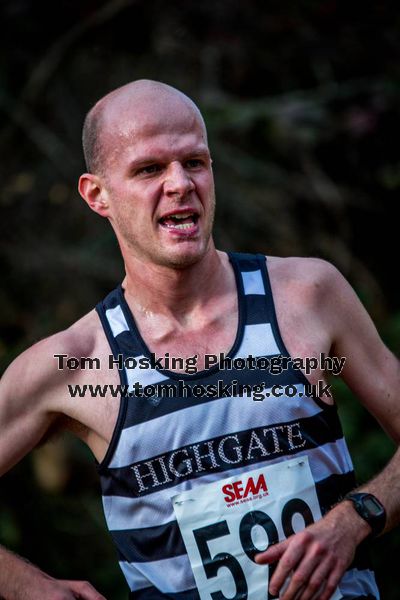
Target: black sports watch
370, 509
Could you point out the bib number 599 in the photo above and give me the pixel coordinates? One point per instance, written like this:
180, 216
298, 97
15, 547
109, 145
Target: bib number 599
212, 564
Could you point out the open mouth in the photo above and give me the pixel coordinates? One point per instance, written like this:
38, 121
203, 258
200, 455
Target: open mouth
180, 221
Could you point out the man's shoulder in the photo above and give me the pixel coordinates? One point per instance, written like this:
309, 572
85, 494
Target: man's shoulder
79, 339
37, 367
313, 275
311, 268
82, 337
309, 286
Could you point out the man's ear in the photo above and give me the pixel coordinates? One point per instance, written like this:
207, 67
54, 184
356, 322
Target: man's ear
93, 192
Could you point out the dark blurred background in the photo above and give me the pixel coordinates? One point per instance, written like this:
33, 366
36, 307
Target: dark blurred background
302, 105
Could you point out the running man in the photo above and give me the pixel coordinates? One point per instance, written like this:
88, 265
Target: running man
168, 465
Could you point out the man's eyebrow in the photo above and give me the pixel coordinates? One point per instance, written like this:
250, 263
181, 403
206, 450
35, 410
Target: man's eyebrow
150, 159
145, 160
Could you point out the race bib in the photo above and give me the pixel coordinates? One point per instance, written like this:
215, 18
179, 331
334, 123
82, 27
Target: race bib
226, 523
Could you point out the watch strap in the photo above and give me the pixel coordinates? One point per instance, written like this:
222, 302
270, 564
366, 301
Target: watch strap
370, 509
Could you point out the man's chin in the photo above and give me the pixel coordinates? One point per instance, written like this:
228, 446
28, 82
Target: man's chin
183, 258
182, 261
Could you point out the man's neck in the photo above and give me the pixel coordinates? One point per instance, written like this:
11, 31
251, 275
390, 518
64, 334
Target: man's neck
165, 290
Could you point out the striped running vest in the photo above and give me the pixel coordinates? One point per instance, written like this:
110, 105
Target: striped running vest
162, 446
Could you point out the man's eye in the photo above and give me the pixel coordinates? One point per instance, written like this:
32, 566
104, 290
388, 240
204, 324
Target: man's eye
193, 163
149, 169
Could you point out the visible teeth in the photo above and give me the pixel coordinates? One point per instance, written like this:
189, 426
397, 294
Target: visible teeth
181, 216
181, 226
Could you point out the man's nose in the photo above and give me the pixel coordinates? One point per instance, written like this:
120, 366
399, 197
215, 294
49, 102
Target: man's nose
177, 180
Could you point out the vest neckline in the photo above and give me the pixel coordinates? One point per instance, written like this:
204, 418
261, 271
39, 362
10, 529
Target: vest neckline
135, 333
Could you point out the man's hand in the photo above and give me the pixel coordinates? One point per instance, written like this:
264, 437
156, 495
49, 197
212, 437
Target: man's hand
20, 580
316, 558
55, 589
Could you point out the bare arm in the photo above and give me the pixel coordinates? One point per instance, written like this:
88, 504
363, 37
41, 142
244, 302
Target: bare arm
28, 408
317, 557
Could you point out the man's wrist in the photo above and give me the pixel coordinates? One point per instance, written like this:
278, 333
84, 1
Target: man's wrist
344, 516
370, 509
16, 574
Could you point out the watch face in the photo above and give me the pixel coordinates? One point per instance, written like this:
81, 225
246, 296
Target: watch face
370, 509
372, 505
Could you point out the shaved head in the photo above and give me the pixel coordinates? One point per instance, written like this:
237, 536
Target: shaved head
114, 116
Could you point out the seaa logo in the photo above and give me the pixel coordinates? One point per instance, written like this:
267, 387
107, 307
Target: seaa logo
237, 490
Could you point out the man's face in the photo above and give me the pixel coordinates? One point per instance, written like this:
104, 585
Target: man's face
159, 185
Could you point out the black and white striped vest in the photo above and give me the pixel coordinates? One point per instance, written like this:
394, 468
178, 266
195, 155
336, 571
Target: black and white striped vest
162, 446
